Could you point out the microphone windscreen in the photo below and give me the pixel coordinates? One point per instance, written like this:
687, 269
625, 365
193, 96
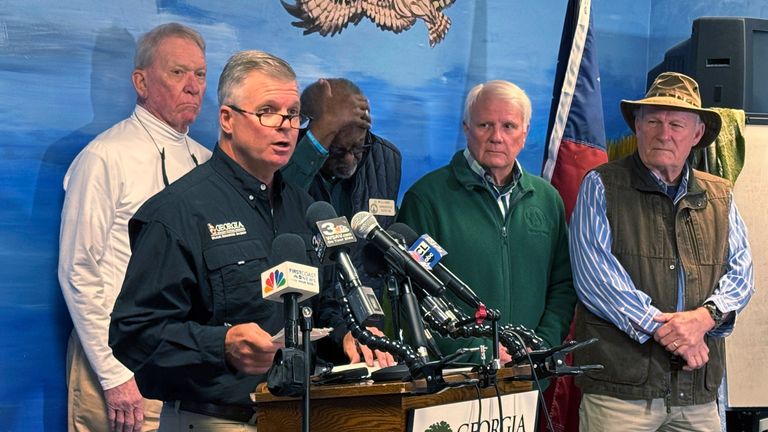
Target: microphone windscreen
317, 211
289, 247
363, 223
373, 260
408, 234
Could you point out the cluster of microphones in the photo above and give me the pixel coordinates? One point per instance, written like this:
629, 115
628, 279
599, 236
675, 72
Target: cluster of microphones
410, 262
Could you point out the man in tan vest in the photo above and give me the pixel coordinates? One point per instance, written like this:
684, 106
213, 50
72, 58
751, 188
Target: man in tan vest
662, 265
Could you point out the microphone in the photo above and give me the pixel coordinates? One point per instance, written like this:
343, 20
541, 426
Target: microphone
366, 227
332, 234
331, 240
290, 280
432, 307
451, 281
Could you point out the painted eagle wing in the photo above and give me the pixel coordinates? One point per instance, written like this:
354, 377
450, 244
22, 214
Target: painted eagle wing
442, 4
327, 17
387, 15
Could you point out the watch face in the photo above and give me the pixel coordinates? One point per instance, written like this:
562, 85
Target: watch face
715, 313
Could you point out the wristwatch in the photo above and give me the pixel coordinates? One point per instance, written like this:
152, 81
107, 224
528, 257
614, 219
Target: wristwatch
714, 312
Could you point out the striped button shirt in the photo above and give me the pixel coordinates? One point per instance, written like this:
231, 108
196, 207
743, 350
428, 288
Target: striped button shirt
502, 194
605, 287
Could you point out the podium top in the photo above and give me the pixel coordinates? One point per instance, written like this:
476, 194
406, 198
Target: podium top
505, 379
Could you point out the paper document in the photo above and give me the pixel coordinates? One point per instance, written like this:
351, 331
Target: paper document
317, 333
371, 369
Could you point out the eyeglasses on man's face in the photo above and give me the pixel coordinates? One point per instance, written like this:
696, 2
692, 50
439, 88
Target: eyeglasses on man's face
340, 152
275, 120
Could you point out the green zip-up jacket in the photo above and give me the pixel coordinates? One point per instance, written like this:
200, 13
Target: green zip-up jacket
519, 264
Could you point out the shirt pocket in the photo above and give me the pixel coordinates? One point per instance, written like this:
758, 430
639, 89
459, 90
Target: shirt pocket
235, 278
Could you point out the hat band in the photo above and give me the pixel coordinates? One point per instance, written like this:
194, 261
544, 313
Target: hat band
675, 95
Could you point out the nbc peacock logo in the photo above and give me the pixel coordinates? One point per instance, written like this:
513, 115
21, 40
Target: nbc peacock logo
275, 281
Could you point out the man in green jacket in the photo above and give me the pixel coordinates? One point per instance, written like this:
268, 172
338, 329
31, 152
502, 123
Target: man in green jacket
504, 228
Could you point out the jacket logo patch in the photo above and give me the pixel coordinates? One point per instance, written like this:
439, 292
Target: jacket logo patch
227, 229
535, 219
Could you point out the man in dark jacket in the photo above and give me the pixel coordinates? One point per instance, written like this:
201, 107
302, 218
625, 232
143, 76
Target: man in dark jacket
191, 321
339, 160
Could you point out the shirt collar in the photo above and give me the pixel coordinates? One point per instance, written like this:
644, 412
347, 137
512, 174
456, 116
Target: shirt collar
478, 169
159, 129
682, 187
248, 186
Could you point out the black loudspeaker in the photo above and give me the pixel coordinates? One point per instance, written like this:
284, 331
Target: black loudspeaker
719, 67
728, 57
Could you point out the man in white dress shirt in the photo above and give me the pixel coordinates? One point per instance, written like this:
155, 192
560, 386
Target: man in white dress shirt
107, 182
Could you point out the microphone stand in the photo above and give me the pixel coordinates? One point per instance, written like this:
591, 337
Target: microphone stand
306, 330
413, 316
291, 310
393, 291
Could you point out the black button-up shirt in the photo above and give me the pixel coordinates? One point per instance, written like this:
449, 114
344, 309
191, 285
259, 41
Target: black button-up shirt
199, 248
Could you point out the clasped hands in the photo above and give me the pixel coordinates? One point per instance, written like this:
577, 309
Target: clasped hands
682, 333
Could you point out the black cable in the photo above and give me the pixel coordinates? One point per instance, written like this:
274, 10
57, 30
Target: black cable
479, 404
501, 409
162, 167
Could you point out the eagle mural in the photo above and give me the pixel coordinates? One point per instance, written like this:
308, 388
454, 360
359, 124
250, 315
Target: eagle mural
329, 17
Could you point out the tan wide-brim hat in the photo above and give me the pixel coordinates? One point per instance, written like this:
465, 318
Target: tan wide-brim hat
676, 91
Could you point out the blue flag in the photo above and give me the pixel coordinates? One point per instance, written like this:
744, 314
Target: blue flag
576, 131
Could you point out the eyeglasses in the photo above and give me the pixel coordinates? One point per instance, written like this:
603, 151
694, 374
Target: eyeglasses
275, 120
357, 151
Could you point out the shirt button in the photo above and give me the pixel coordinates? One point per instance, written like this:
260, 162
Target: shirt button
263, 187
250, 197
671, 266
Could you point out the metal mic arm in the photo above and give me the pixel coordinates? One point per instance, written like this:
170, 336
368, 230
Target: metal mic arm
551, 362
468, 327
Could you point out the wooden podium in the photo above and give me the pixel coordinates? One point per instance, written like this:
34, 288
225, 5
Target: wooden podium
367, 406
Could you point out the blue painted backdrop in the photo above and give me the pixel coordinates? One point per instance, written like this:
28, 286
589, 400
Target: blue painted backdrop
64, 77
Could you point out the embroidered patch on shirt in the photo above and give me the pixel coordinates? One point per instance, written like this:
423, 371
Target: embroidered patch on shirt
227, 229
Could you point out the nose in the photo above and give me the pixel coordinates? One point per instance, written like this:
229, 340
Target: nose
664, 131
496, 134
349, 157
193, 84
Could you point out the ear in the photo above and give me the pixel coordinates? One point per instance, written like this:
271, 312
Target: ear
525, 136
139, 79
225, 119
465, 127
699, 132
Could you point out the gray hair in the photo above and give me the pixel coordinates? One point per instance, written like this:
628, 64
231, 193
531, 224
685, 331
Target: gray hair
311, 97
504, 90
148, 43
241, 64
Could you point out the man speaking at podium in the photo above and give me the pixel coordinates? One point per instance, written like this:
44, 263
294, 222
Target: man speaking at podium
190, 321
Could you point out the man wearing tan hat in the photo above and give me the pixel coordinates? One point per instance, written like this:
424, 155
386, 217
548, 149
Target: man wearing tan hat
662, 265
